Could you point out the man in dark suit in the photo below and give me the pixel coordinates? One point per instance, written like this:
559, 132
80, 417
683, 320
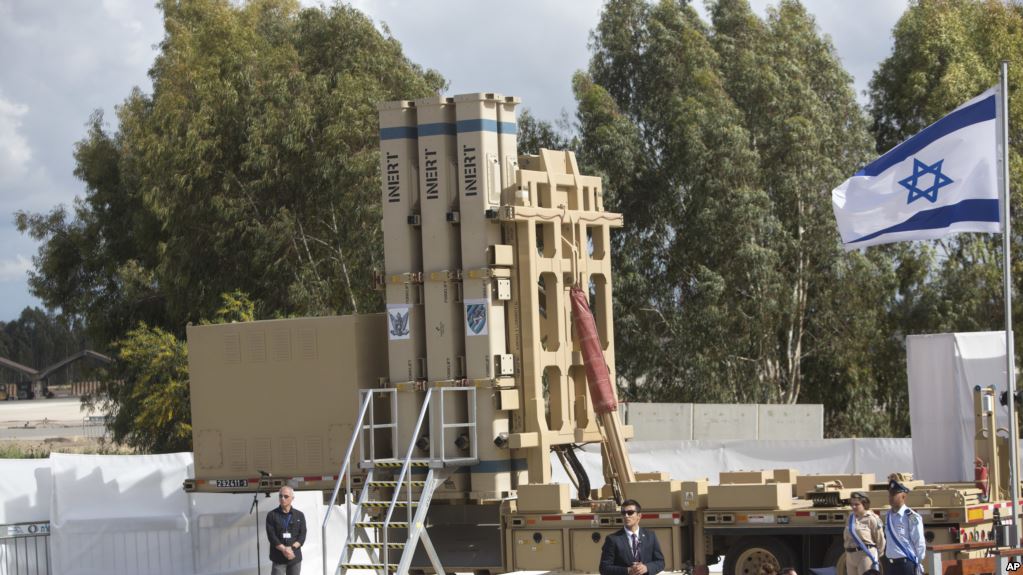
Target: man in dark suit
633, 550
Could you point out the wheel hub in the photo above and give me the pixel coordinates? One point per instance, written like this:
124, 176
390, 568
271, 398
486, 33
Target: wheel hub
751, 561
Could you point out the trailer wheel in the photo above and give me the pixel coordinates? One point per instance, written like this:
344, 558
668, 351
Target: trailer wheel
750, 554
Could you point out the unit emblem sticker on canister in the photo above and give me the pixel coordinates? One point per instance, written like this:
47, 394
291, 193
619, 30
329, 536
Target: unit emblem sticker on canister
398, 321
476, 317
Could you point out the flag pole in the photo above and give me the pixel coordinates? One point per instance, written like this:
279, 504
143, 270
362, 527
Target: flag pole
1010, 354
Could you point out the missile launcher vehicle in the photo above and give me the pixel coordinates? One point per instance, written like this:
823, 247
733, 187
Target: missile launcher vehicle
433, 424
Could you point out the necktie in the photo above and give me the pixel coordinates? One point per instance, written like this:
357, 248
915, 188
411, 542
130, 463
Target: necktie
635, 547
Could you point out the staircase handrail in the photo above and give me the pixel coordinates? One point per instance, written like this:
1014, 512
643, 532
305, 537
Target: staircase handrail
404, 471
344, 475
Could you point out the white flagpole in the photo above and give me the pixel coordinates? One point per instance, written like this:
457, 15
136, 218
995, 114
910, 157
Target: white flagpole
1010, 354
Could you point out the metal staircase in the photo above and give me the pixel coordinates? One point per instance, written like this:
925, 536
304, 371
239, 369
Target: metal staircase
372, 522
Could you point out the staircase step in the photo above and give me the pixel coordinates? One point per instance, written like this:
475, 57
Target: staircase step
380, 524
394, 463
376, 545
376, 504
369, 566
395, 483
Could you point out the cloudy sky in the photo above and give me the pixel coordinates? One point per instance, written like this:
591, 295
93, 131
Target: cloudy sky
64, 59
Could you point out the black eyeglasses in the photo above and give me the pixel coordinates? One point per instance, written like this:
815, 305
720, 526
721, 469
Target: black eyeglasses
284, 496
628, 512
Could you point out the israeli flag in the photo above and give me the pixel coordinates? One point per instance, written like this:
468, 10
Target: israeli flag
941, 181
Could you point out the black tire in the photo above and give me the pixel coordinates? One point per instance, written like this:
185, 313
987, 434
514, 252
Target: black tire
749, 554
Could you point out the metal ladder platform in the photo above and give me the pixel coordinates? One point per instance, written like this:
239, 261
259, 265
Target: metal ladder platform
372, 522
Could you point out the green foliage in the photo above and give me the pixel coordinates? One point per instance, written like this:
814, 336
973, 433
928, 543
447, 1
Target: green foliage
146, 392
44, 449
17, 452
534, 134
147, 396
688, 180
39, 339
720, 145
945, 53
252, 171
252, 166
236, 307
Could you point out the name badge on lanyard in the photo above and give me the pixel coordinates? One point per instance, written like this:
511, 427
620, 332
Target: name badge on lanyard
287, 523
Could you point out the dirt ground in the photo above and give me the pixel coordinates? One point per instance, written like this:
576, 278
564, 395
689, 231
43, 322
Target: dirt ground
75, 444
32, 448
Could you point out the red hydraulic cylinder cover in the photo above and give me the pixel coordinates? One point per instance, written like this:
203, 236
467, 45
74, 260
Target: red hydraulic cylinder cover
597, 377
980, 476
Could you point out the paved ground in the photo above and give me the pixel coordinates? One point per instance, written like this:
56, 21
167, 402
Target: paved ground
45, 418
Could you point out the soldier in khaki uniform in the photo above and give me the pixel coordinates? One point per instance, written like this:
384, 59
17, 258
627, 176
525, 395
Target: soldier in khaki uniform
866, 526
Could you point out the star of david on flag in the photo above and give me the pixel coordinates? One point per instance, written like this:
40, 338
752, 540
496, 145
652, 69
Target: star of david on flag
941, 181
912, 183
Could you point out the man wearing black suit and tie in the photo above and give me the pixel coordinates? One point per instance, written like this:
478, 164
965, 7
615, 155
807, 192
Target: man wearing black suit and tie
633, 550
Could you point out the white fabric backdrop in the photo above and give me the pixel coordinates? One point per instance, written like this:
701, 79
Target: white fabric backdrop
25, 488
704, 458
225, 532
129, 514
943, 370
120, 514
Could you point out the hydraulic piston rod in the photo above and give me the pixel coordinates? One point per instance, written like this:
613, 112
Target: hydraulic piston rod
602, 394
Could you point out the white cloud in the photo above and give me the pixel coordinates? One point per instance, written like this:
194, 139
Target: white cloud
140, 25
512, 55
15, 153
122, 11
15, 269
497, 49
24, 183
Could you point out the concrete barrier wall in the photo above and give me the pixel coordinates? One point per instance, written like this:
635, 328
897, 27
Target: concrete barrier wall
805, 421
715, 421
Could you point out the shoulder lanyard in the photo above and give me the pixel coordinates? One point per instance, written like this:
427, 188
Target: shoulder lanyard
891, 535
859, 542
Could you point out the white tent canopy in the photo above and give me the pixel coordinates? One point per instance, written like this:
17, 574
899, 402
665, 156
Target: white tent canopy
943, 370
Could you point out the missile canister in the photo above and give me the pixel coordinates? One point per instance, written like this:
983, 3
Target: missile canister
442, 257
403, 261
486, 289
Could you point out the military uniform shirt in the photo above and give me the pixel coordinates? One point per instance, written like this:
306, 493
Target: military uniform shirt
908, 527
870, 529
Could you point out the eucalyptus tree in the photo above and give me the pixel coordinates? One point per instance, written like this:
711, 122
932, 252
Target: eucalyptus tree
944, 54
697, 263
720, 142
252, 165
